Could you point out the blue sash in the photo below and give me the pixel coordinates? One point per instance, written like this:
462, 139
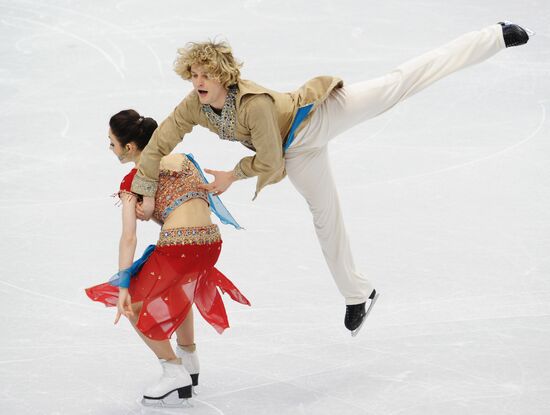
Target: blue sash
301, 114
216, 205
122, 278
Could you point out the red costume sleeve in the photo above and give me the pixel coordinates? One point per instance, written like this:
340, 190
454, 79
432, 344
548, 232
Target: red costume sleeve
126, 183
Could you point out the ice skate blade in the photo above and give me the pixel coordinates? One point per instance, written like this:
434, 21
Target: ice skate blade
354, 332
174, 399
162, 403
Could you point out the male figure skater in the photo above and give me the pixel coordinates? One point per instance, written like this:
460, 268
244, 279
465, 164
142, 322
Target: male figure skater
289, 132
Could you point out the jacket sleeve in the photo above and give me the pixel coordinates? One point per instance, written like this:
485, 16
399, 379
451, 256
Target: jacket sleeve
168, 134
268, 163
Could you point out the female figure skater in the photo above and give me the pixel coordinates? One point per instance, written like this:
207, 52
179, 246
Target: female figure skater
290, 132
157, 291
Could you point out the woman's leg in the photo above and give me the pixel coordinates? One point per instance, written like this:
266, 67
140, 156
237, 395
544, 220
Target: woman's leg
185, 333
162, 349
186, 349
175, 381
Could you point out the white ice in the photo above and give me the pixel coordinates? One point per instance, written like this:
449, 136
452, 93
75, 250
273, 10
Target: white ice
446, 199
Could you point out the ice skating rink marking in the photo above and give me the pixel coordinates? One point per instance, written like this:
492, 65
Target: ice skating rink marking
105, 393
485, 158
336, 326
288, 382
93, 346
106, 23
44, 87
218, 410
25, 204
462, 374
476, 298
63, 133
30, 156
468, 163
57, 29
461, 400
3, 362
47, 297
67, 120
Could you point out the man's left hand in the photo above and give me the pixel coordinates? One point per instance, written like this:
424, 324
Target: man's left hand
222, 181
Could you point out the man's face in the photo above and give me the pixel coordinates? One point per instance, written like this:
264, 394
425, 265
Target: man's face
209, 90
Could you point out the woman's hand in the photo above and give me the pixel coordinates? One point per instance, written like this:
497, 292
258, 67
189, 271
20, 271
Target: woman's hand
144, 210
222, 181
124, 304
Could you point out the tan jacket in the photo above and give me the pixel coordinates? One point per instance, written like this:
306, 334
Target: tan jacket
263, 121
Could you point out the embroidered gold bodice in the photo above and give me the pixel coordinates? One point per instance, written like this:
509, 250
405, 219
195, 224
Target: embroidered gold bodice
178, 183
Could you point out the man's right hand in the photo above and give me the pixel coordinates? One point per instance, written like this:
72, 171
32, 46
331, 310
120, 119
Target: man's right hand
144, 210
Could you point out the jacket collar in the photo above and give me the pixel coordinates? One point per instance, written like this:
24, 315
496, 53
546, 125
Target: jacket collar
250, 88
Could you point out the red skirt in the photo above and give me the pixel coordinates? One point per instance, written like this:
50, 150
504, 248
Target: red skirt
180, 272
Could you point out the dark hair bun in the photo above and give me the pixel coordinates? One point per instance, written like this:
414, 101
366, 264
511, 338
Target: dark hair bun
130, 127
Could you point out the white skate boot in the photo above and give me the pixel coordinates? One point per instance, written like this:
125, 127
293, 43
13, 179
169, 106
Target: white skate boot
172, 389
191, 362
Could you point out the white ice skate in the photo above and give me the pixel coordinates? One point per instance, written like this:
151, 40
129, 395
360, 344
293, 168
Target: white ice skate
172, 389
191, 363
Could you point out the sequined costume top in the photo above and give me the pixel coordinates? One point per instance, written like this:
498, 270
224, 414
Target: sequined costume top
177, 186
178, 183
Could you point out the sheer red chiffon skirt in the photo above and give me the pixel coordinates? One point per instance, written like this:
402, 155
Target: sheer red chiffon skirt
180, 272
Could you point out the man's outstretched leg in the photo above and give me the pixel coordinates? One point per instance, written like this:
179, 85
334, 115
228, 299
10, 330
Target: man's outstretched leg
311, 175
361, 101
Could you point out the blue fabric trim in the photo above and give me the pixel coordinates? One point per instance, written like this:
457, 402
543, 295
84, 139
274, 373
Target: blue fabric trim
122, 278
301, 114
216, 205
181, 200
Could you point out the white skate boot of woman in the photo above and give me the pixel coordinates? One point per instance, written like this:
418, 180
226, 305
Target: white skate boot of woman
172, 389
190, 361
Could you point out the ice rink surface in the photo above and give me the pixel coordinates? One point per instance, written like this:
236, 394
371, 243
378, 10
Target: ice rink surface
446, 198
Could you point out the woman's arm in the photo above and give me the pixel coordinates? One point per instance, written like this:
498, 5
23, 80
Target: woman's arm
128, 239
126, 250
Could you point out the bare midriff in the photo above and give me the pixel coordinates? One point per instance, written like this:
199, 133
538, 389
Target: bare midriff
194, 212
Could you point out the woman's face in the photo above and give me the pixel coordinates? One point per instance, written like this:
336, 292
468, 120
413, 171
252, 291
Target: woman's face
117, 148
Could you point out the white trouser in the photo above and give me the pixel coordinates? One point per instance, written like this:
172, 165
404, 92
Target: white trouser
307, 162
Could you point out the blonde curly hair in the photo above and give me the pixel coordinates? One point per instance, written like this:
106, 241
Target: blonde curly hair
216, 57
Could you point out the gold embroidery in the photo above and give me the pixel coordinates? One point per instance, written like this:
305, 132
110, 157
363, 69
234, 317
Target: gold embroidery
198, 235
238, 172
176, 188
225, 123
143, 186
